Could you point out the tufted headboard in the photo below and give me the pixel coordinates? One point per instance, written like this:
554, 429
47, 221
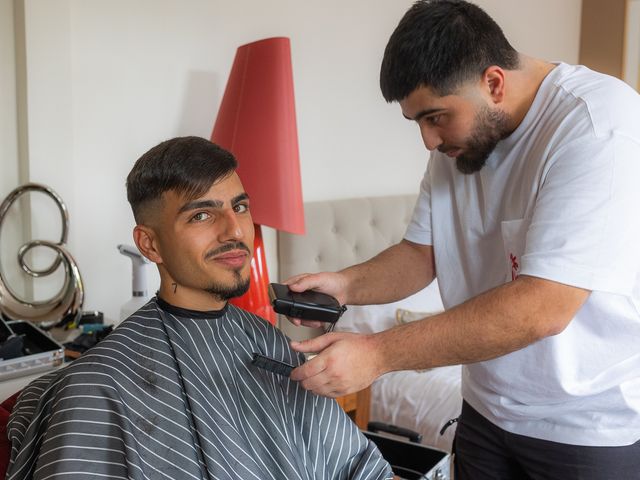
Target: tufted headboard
340, 233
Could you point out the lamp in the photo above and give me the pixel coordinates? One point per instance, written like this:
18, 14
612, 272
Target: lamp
257, 123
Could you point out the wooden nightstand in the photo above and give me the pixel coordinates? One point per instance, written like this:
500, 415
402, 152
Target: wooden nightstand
357, 406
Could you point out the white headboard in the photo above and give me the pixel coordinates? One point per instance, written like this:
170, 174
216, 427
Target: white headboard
340, 233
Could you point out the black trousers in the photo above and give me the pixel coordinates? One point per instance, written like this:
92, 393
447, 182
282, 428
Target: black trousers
484, 451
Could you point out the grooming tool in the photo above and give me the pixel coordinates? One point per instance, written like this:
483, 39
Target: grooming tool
308, 305
139, 291
272, 365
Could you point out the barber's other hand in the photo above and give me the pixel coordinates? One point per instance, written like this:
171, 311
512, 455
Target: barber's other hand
330, 283
345, 363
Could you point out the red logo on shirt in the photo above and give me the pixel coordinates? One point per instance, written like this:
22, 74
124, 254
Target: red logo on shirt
515, 266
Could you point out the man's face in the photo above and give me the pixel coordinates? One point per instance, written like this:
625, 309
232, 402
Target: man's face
206, 243
464, 126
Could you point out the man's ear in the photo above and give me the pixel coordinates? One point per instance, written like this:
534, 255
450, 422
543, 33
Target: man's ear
493, 79
147, 243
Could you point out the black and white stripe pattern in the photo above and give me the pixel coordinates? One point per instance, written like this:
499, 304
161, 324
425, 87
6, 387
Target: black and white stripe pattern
168, 396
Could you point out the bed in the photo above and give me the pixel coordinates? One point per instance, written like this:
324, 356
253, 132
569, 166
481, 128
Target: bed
340, 233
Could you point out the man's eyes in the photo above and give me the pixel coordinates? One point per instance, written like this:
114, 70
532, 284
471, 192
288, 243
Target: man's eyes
200, 217
204, 216
241, 208
433, 120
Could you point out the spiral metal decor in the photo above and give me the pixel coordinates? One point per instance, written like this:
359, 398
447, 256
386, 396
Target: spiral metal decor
67, 303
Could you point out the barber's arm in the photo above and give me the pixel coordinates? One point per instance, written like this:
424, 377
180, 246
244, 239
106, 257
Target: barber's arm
395, 273
497, 322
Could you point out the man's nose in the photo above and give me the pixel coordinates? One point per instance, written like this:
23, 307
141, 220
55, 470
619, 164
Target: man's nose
430, 138
231, 228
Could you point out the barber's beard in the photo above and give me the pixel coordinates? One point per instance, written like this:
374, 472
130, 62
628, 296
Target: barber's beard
223, 292
489, 128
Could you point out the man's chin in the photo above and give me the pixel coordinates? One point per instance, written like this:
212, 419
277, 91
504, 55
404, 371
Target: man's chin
235, 289
468, 165
240, 289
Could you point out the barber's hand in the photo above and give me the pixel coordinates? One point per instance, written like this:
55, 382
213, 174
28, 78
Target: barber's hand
330, 283
345, 363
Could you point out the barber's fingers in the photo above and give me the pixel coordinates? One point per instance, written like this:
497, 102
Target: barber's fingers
295, 278
322, 380
310, 372
307, 281
301, 283
312, 324
306, 323
326, 282
314, 379
317, 344
342, 365
310, 369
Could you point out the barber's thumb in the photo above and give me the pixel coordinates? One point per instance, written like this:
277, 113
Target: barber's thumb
300, 284
313, 345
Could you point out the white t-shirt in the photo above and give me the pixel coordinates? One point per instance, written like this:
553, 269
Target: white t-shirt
558, 199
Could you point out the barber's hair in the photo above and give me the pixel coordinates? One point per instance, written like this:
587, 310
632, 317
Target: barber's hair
441, 44
185, 165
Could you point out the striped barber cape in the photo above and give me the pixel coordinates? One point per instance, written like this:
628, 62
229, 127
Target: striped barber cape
172, 393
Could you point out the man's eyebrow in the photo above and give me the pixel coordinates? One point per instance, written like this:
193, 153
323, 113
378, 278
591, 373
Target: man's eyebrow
424, 113
239, 198
200, 204
196, 204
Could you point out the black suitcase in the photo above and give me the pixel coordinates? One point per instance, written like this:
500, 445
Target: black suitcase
410, 460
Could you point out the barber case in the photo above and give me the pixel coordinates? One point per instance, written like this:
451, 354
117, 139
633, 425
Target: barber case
38, 352
410, 460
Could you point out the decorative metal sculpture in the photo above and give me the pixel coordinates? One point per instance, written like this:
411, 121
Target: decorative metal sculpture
67, 303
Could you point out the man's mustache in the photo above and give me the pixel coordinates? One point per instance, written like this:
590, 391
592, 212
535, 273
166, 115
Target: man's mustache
227, 248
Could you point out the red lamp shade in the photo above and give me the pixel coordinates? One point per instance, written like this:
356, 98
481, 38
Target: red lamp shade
257, 123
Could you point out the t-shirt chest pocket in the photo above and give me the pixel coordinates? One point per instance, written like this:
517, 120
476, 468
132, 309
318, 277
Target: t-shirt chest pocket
514, 234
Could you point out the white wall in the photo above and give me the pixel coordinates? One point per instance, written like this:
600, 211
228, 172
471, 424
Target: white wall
8, 115
11, 234
109, 79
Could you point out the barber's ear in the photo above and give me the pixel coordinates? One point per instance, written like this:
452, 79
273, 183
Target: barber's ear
146, 242
493, 78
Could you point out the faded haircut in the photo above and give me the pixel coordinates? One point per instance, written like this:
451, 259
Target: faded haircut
441, 44
186, 165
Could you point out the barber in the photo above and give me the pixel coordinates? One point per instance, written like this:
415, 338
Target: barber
527, 216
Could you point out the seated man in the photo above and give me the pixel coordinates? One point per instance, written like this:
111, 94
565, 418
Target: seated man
171, 392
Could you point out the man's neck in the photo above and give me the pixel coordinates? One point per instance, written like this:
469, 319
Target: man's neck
190, 299
524, 85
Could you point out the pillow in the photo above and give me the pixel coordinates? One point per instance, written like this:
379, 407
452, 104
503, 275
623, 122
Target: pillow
376, 318
407, 316
367, 318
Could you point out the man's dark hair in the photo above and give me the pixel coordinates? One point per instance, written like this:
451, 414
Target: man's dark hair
441, 44
186, 165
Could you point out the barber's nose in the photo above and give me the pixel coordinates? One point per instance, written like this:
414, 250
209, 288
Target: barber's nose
430, 138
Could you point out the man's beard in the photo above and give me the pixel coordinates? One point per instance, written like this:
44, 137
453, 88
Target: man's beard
226, 292
240, 285
489, 128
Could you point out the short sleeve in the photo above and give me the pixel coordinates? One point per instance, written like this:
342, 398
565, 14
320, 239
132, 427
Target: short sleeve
419, 228
583, 230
